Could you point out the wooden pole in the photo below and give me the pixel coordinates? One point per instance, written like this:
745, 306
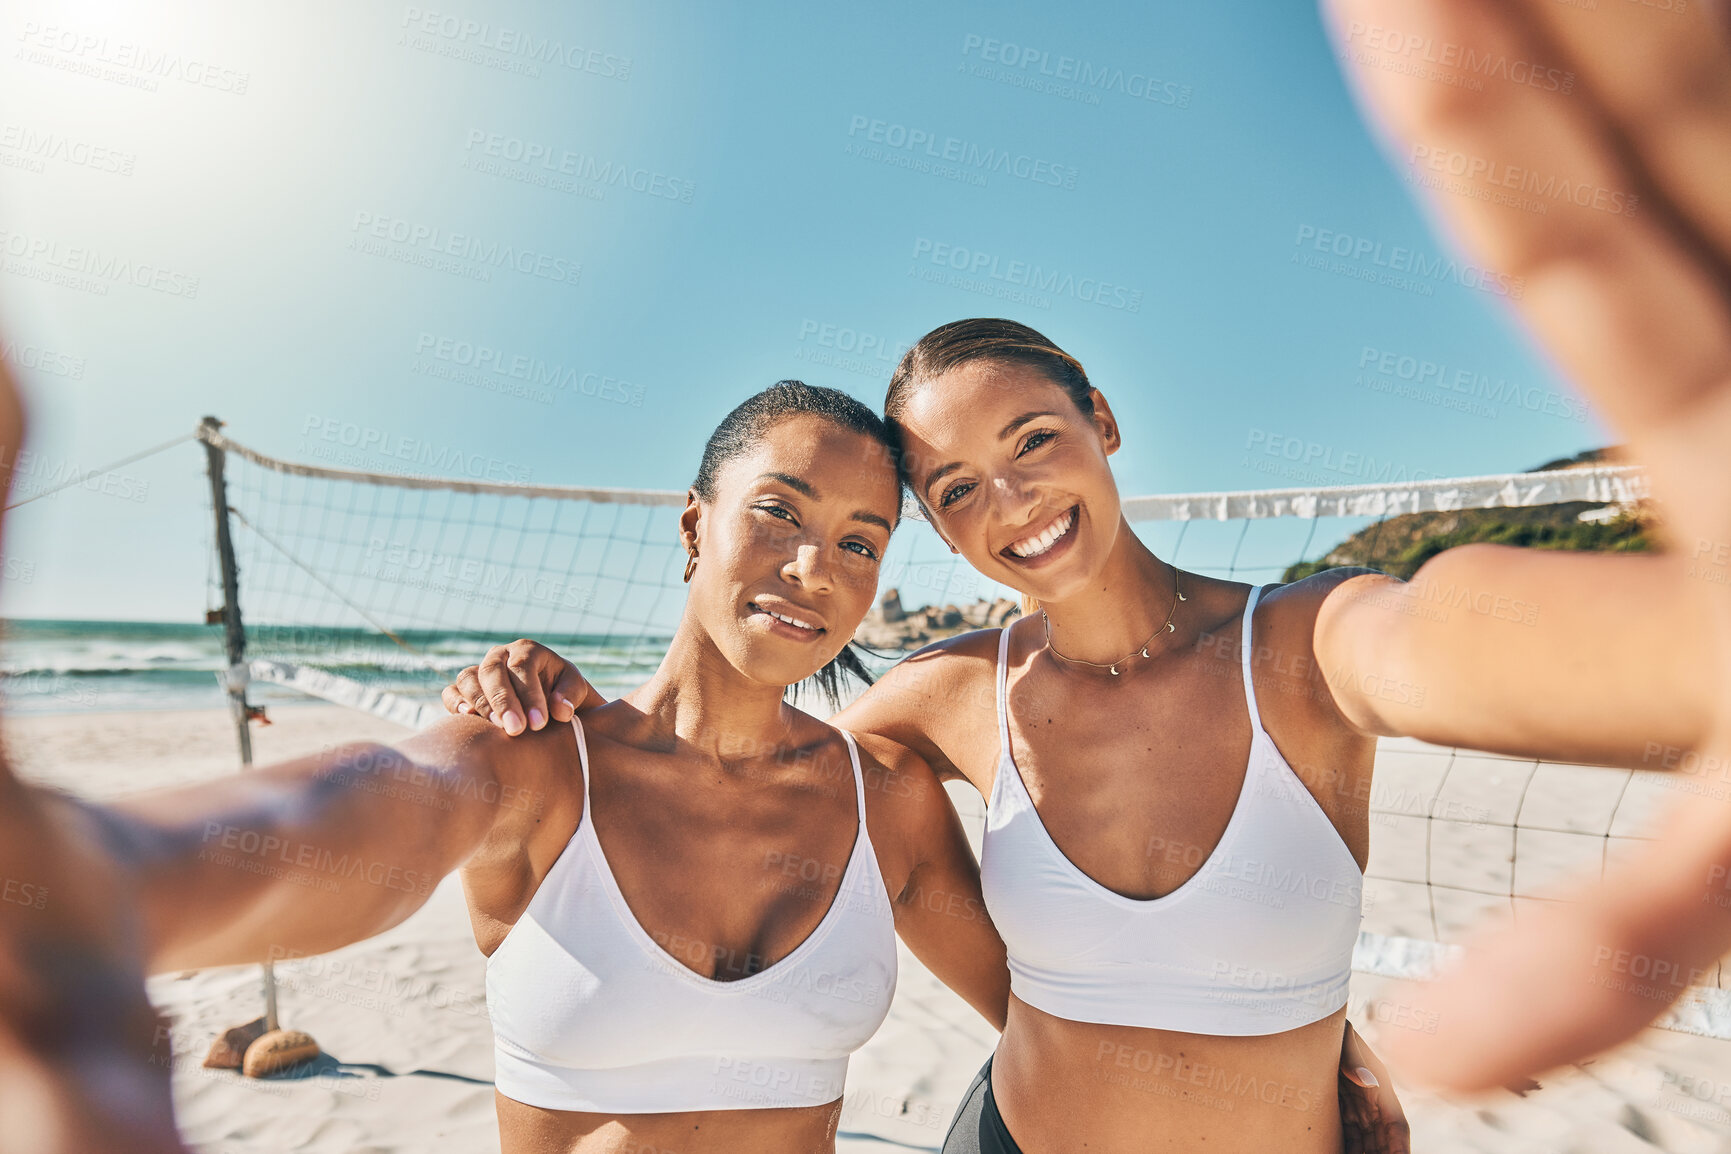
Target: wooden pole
234, 638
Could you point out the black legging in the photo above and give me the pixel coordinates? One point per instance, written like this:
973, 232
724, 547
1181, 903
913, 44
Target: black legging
978, 1127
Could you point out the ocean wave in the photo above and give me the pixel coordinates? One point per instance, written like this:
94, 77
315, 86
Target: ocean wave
71, 666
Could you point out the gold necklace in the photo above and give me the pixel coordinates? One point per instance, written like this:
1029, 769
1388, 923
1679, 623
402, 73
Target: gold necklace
1139, 651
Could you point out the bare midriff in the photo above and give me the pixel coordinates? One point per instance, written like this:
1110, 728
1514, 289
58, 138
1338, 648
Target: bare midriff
527, 1129
1063, 1085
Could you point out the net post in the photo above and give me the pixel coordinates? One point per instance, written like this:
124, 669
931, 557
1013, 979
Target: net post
234, 637
269, 978
234, 634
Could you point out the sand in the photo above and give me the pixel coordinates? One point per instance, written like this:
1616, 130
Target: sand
408, 1050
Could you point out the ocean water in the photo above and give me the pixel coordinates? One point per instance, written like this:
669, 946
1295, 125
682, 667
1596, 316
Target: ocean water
74, 666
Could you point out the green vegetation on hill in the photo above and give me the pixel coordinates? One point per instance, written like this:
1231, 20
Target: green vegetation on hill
1399, 545
1622, 535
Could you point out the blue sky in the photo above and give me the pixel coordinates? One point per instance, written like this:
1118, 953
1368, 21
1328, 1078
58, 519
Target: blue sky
317, 204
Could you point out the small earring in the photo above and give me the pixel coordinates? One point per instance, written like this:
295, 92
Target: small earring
690, 567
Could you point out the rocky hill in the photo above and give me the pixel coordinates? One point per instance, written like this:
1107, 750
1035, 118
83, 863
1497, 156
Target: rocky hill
1399, 545
889, 626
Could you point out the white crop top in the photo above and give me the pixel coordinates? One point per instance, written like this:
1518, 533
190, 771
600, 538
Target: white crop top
590, 1013
1258, 941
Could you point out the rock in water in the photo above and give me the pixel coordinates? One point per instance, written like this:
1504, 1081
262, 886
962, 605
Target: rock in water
228, 1052
277, 1051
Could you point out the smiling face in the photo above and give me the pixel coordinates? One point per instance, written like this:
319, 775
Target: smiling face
1014, 475
788, 546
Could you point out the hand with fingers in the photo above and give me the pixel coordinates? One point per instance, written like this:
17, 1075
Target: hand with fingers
519, 686
1618, 240
1371, 1118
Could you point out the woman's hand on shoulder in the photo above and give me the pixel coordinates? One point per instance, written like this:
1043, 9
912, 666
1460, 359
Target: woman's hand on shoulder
519, 686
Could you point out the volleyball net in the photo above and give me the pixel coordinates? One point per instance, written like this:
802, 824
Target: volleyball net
371, 589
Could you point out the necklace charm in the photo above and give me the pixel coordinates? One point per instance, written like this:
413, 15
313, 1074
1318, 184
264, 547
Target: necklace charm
1168, 627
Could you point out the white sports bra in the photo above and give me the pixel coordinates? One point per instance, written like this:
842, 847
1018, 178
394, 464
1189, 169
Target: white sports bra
1258, 941
590, 1013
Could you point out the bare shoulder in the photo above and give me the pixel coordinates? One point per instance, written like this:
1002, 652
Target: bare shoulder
939, 668
1297, 597
1294, 609
935, 702
940, 677
909, 814
464, 739
900, 785
532, 774
534, 783
1293, 653
1284, 623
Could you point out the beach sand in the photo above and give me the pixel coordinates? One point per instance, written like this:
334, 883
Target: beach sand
408, 1050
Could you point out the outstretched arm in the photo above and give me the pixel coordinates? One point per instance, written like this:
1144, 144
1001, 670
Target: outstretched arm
1636, 307
314, 853
67, 957
1571, 656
